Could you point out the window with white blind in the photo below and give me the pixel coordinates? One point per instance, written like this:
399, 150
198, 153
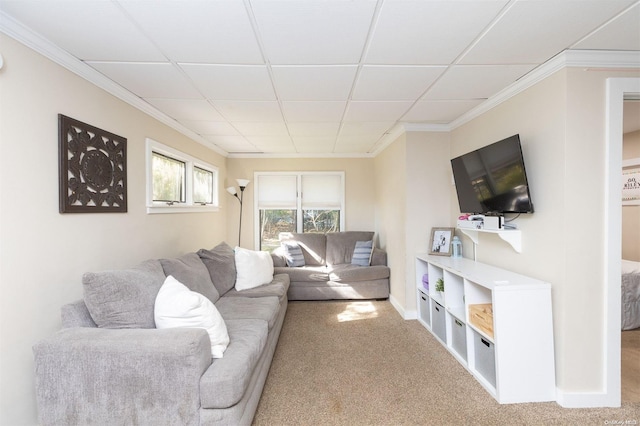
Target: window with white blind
297, 202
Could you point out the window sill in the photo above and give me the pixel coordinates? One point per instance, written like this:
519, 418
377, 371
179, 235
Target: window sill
181, 209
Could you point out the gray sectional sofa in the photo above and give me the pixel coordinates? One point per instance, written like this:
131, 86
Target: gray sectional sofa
109, 365
328, 272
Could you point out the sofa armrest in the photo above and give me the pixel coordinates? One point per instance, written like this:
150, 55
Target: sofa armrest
378, 257
123, 376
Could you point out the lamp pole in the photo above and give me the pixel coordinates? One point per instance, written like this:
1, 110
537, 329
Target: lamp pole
242, 184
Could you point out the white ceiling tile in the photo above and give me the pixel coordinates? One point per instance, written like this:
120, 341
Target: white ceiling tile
249, 111
428, 32
394, 83
308, 144
187, 109
365, 130
534, 31
149, 80
231, 82
231, 143
313, 32
318, 83
476, 81
376, 111
210, 127
265, 129
89, 30
198, 31
623, 33
313, 129
439, 111
272, 144
297, 111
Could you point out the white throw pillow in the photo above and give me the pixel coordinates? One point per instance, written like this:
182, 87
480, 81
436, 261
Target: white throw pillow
177, 306
254, 268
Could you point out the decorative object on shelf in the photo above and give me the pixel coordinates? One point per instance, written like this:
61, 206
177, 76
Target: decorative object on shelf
242, 184
456, 246
92, 168
440, 243
440, 285
631, 182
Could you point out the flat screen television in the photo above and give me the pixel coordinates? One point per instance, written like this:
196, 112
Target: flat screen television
492, 180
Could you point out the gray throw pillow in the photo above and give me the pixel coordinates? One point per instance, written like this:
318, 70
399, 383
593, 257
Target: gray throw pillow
221, 263
191, 272
123, 298
362, 253
293, 254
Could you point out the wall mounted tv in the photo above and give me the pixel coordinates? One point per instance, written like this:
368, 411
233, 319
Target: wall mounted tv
492, 180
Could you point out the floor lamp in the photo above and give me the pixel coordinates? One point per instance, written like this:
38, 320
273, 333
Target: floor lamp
242, 183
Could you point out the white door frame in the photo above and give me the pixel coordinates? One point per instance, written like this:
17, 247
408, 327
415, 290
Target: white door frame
617, 88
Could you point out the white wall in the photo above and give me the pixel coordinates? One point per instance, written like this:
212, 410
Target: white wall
631, 213
43, 253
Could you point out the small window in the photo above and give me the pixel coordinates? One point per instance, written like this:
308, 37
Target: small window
179, 183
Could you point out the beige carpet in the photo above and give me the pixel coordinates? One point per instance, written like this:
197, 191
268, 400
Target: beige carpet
360, 363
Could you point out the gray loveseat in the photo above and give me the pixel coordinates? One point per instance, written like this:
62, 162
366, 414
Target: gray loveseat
328, 272
109, 365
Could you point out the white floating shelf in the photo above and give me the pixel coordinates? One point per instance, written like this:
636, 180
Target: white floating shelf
512, 236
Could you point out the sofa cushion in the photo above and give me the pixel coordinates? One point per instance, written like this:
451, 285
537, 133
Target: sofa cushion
226, 380
277, 287
221, 264
190, 271
123, 298
178, 307
293, 254
314, 246
306, 273
264, 308
253, 268
362, 253
354, 273
340, 245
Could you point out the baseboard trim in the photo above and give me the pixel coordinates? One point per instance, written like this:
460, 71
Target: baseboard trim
407, 315
584, 399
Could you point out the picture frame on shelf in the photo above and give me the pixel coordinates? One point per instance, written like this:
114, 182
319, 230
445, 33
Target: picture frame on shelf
440, 242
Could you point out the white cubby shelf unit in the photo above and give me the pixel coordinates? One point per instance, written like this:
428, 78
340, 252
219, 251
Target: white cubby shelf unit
515, 363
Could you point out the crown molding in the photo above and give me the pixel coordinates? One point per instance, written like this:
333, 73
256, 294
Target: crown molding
36, 42
298, 155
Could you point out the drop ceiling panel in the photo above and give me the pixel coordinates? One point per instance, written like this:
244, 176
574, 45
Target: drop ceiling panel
364, 129
313, 32
310, 144
318, 83
266, 129
475, 81
187, 109
428, 32
622, 33
231, 143
314, 129
149, 80
211, 127
534, 31
231, 82
295, 111
439, 111
89, 30
249, 111
376, 111
205, 31
393, 83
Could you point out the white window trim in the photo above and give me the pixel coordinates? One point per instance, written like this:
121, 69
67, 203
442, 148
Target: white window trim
188, 206
298, 174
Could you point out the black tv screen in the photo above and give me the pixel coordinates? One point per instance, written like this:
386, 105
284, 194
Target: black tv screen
492, 179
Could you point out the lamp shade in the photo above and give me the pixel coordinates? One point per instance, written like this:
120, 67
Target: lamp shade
242, 183
232, 190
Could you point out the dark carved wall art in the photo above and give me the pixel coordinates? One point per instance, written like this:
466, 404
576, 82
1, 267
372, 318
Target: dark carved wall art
92, 167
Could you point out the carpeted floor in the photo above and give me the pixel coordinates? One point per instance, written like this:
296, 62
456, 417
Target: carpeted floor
360, 363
